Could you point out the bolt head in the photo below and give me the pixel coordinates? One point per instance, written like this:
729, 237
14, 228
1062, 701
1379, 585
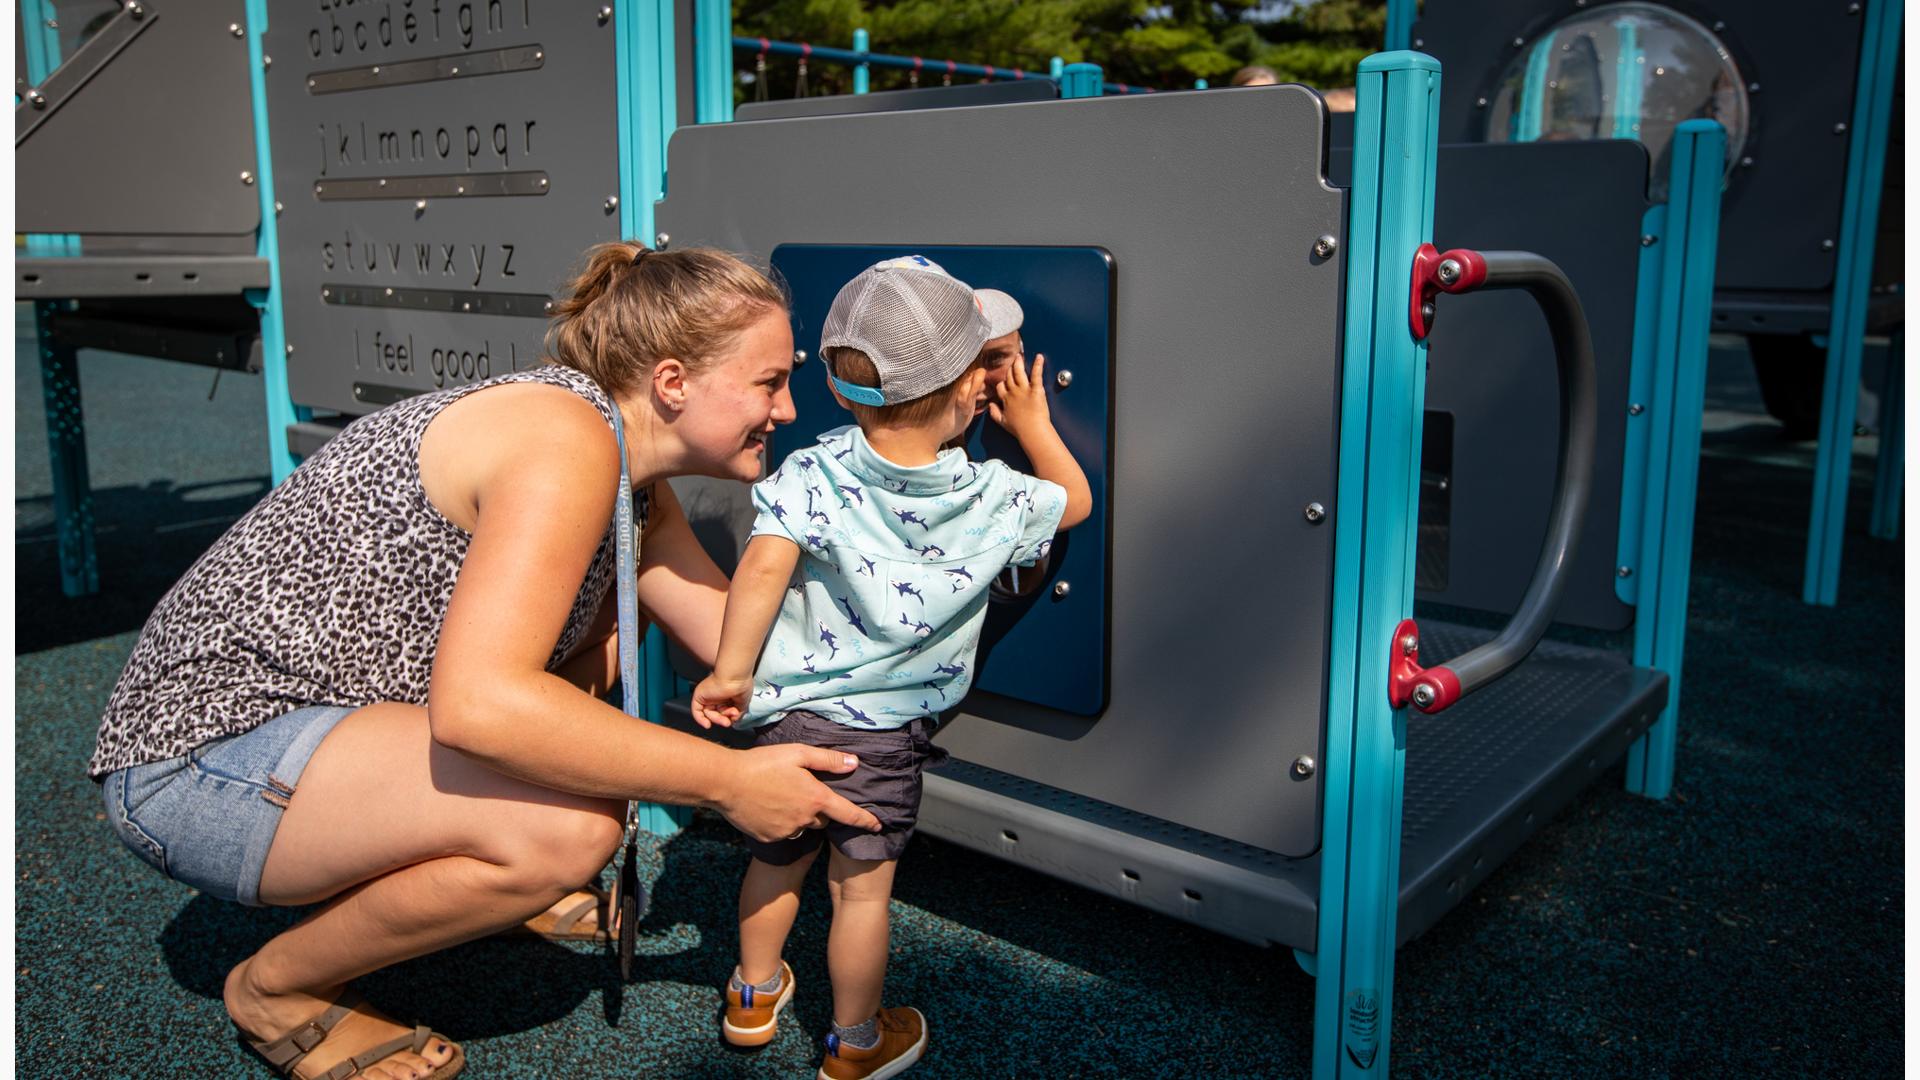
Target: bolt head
1636, 409
279, 207
612, 203
1625, 571
1326, 245
420, 204
1826, 245
1517, 42
1063, 379
246, 177
1746, 162
1426, 311
39, 100
1753, 88
1061, 589
1410, 644
266, 62
1448, 271
137, 10
606, 12
1479, 103
1839, 129
1315, 512
1648, 239
1302, 767
236, 30
799, 357
1423, 695
660, 241
1720, 26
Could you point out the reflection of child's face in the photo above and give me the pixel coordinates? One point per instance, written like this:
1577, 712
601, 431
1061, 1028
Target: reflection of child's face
997, 357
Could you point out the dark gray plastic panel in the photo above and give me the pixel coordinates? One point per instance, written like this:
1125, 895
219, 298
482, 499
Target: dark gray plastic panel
456, 261
926, 97
1226, 377
1804, 56
1482, 777
155, 142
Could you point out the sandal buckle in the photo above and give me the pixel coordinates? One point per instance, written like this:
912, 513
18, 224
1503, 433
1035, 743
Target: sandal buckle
308, 1036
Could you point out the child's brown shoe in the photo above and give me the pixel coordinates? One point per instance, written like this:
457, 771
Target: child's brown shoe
753, 1018
903, 1038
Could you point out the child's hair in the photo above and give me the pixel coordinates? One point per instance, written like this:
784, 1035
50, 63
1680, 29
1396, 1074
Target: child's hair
851, 365
632, 306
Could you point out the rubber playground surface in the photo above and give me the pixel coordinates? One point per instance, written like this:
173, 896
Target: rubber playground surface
1751, 925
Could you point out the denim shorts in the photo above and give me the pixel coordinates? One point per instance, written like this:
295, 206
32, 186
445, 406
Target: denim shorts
207, 818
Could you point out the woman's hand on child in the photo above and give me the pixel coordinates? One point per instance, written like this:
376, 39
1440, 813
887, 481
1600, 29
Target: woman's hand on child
772, 793
720, 701
1022, 404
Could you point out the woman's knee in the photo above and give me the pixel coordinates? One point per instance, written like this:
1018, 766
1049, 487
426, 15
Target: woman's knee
560, 847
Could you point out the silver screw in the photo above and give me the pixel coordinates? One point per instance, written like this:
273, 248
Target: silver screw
1826, 245
606, 12
1839, 129
612, 204
420, 206
1720, 27
1746, 162
1753, 88
1315, 512
799, 357
1423, 695
1517, 42
543, 181
1063, 379
246, 177
326, 294
1479, 103
1636, 409
235, 30
1648, 239
1410, 644
1419, 43
1061, 589
539, 55
1625, 571
39, 100
1325, 245
376, 69
389, 292
139, 11
279, 207
660, 241
266, 62
1302, 767
289, 350
548, 306
1448, 271
53, 24
466, 306
1853, 9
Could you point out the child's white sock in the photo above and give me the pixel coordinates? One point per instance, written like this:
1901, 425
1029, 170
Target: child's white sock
860, 1036
771, 986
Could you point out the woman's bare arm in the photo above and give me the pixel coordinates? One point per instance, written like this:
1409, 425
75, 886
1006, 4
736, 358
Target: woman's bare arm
679, 585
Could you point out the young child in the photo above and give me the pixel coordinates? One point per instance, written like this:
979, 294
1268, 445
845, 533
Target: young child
870, 562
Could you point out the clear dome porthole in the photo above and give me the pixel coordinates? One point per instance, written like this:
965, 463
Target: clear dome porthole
1621, 71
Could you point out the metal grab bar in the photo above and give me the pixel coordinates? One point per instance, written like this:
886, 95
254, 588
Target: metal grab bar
1464, 270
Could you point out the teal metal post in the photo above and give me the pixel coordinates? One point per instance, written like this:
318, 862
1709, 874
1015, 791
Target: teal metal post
1081, 81
713, 61
274, 350
1055, 67
1629, 81
1889, 472
1400, 24
1853, 277
644, 62
1532, 105
60, 366
1675, 397
1383, 385
860, 73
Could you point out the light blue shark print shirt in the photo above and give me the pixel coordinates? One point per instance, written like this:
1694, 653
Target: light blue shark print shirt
880, 621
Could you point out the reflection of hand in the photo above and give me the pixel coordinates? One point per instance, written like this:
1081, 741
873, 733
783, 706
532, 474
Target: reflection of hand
1022, 405
720, 701
772, 793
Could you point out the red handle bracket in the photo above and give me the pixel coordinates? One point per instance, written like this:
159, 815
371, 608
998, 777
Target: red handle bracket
1427, 689
1434, 272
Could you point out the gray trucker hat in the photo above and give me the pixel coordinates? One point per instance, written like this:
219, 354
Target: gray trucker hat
1003, 312
920, 325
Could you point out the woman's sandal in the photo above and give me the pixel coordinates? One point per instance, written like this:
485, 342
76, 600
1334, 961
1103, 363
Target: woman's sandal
287, 1051
563, 923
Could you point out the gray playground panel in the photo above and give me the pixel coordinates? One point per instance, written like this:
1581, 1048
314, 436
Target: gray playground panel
155, 143
1776, 213
1226, 382
926, 97
492, 261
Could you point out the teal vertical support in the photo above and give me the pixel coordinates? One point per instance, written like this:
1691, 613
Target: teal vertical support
1081, 80
644, 76
1400, 15
860, 70
713, 61
1383, 385
1889, 472
1628, 81
67, 455
1676, 400
1532, 106
59, 366
1640, 378
1055, 68
1853, 278
281, 411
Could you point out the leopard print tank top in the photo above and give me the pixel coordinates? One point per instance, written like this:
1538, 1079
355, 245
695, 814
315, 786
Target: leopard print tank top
330, 591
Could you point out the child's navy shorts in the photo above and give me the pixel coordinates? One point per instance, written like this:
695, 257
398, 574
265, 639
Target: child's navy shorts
887, 784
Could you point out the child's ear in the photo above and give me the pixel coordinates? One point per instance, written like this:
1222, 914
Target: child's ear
973, 382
